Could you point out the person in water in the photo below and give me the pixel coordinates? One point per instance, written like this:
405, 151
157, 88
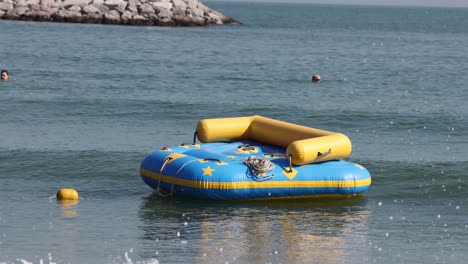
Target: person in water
4, 75
316, 78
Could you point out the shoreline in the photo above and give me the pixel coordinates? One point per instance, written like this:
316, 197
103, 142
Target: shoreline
165, 13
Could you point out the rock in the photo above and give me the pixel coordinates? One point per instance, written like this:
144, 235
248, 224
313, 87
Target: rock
192, 4
126, 16
48, 4
198, 21
80, 3
11, 14
182, 20
92, 18
5, 7
102, 8
177, 11
146, 9
38, 15
118, 5
166, 22
21, 3
163, 11
195, 12
75, 8
91, 9
33, 2
112, 17
63, 15
179, 4
137, 20
162, 6
132, 7
21, 10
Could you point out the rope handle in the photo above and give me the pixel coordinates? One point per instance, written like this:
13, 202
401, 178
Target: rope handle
195, 138
211, 159
320, 154
246, 147
290, 163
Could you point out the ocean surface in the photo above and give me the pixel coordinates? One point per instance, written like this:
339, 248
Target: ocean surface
86, 103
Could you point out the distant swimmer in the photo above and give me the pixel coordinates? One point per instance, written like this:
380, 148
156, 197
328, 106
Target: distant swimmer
316, 78
5, 75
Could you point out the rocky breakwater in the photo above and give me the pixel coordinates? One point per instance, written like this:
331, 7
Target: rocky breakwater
124, 12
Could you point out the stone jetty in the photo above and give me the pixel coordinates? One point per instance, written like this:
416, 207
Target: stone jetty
120, 12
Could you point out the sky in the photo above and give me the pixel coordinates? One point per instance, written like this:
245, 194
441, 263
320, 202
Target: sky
448, 3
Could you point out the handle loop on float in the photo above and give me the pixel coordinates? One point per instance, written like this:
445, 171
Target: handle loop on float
166, 160
290, 163
320, 154
195, 138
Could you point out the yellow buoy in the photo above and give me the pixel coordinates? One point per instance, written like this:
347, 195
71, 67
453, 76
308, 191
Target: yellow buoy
67, 194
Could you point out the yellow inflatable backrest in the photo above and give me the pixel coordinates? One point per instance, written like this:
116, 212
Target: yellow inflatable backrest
312, 150
223, 129
306, 145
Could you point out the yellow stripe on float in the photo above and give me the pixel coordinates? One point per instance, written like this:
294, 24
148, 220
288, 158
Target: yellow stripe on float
256, 185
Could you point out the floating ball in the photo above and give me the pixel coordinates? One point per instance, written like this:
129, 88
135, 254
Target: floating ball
66, 194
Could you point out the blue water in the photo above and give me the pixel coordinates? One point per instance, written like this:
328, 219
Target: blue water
87, 103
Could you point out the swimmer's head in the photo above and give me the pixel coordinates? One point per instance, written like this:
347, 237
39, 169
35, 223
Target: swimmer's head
316, 78
4, 75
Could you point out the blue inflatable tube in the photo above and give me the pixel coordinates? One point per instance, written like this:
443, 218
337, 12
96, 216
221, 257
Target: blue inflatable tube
217, 171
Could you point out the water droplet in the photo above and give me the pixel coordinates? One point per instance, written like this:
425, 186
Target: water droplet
185, 224
178, 234
380, 203
438, 216
386, 234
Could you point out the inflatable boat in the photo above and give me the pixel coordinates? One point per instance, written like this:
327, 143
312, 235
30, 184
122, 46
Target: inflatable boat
254, 157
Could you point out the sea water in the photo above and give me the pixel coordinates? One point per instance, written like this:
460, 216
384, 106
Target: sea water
86, 103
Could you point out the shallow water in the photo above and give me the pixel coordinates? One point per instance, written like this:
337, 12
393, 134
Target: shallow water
86, 103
